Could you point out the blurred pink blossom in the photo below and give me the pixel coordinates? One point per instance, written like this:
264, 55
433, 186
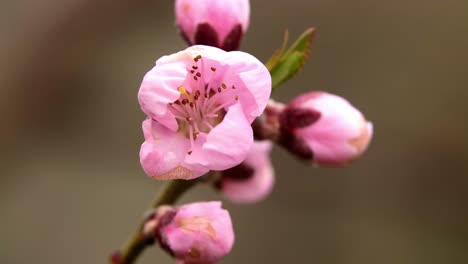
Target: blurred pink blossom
253, 179
213, 22
200, 103
196, 233
332, 129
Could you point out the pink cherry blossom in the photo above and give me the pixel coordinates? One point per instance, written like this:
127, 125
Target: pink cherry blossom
332, 129
196, 233
253, 179
213, 22
200, 103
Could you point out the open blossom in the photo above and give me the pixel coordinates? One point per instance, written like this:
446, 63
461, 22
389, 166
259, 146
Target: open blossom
252, 180
196, 233
200, 103
326, 128
218, 23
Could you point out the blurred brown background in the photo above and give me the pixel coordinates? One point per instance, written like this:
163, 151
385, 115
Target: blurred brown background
71, 188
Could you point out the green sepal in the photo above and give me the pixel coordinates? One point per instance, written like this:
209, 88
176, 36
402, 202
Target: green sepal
283, 65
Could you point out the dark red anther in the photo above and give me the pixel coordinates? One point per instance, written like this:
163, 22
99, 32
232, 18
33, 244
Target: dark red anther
197, 58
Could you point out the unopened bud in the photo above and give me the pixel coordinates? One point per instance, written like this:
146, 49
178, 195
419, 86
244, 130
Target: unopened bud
196, 233
325, 128
253, 179
213, 22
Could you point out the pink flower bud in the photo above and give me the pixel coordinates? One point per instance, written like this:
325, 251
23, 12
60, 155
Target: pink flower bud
213, 22
252, 180
196, 233
325, 128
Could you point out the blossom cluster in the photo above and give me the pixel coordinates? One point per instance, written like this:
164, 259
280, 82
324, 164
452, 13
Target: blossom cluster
209, 109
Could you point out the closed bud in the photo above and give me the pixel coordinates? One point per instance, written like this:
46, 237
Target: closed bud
218, 23
196, 233
253, 179
324, 128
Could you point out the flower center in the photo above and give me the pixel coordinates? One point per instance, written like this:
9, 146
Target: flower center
203, 108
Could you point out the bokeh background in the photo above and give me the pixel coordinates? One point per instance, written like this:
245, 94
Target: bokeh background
72, 190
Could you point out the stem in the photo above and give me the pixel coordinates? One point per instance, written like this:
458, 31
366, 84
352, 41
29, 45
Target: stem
170, 192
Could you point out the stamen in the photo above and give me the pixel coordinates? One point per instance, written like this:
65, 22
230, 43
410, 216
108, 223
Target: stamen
211, 93
182, 90
200, 108
179, 109
206, 123
191, 135
180, 117
212, 98
197, 95
195, 125
219, 107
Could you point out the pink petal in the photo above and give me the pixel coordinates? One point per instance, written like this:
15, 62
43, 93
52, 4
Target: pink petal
255, 77
227, 144
159, 88
257, 186
163, 151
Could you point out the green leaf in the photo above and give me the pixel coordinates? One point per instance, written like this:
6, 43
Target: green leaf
273, 61
285, 65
